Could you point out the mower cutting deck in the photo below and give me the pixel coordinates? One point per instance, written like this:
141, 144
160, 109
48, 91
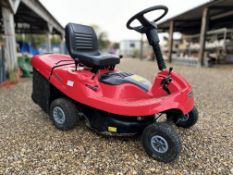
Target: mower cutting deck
87, 85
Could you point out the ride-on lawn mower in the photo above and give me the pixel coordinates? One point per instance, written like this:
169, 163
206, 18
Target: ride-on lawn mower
87, 85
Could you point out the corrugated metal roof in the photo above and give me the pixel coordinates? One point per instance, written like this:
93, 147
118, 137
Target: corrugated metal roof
189, 22
27, 20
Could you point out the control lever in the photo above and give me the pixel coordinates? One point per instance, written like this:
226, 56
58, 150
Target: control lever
167, 80
170, 71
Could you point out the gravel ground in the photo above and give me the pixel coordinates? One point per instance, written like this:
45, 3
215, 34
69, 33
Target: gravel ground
29, 143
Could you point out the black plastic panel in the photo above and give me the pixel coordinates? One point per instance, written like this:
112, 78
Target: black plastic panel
100, 121
124, 77
40, 91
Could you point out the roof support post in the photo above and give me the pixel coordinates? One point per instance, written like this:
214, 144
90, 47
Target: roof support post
15, 5
62, 45
170, 45
10, 42
49, 37
204, 28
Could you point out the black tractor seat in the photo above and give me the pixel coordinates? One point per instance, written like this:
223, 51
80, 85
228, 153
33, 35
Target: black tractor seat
82, 45
98, 59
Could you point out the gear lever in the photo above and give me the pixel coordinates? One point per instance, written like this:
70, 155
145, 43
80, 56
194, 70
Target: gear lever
167, 80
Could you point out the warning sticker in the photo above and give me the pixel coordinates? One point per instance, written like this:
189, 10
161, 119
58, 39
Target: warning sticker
70, 83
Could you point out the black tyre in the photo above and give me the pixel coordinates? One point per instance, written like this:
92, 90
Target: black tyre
161, 142
189, 120
64, 114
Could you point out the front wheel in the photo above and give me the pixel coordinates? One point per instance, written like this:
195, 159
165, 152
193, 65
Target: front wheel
188, 120
161, 142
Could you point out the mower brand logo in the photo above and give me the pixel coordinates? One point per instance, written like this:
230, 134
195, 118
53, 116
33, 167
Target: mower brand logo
58, 77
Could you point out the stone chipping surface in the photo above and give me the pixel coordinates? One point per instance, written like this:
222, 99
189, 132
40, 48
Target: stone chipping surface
30, 144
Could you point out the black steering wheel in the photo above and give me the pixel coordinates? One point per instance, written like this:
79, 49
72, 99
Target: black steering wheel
146, 24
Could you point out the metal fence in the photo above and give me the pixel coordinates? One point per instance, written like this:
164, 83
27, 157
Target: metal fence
2, 66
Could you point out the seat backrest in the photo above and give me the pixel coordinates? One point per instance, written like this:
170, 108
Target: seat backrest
80, 38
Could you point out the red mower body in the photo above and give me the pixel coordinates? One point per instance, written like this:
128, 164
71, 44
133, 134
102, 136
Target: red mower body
125, 99
87, 86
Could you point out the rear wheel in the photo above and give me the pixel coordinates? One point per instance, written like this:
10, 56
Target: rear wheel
161, 142
64, 114
188, 120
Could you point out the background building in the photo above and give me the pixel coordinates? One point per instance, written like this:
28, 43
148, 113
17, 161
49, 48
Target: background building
21, 17
207, 34
130, 48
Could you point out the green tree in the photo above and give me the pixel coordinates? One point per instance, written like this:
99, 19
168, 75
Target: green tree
34, 40
115, 45
102, 37
56, 39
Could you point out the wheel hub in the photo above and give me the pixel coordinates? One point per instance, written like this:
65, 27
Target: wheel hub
59, 115
159, 144
184, 118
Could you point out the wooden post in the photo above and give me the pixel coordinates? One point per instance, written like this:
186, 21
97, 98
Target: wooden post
141, 47
170, 45
204, 26
10, 42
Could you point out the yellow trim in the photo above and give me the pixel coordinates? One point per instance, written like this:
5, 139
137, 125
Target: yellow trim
112, 129
137, 78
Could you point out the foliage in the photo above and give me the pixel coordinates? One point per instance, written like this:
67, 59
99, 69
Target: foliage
34, 40
56, 39
102, 37
37, 40
115, 45
136, 53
